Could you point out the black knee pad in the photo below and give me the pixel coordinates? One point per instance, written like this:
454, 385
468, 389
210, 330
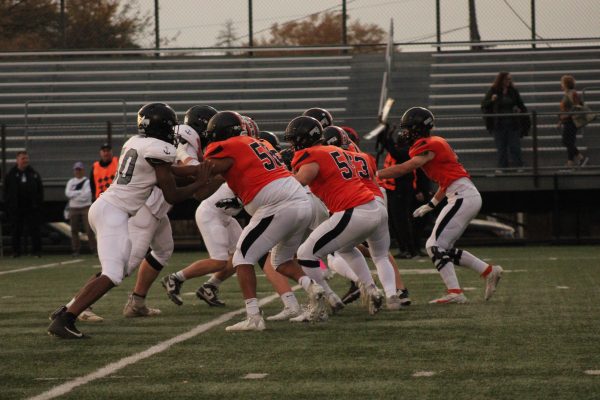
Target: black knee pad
455, 255
439, 258
153, 262
309, 263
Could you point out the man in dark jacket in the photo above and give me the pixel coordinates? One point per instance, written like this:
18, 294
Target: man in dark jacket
23, 196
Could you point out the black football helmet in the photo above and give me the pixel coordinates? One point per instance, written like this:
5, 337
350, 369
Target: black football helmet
271, 138
198, 116
157, 120
416, 123
321, 115
224, 125
336, 136
303, 132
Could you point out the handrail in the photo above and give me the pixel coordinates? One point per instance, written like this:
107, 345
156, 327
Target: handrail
176, 51
28, 102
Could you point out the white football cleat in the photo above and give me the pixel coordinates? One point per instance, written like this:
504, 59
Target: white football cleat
335, 303
393, 302
316, 303
309, 315
137, 308
89, 316
458, 298
251, 323
285, 314
375, 297
491, 281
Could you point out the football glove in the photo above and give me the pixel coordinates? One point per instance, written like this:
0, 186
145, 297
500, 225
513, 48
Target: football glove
425, 208
226, 204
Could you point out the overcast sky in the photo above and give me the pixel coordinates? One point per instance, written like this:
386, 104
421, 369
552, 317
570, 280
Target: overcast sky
196, 23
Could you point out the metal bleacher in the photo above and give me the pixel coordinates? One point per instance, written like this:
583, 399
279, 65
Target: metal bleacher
59, 105
459, 81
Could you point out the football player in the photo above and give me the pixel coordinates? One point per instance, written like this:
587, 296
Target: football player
145, 162
278, 205
331, 175
439, 162
379, 242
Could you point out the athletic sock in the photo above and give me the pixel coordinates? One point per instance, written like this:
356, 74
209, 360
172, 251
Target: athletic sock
252, 306
470, 261
214, 281
487, 271
305, 282
448, 275
289, 300
179, 275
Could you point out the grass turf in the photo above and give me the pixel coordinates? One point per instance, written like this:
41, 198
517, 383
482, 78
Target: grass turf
531, 340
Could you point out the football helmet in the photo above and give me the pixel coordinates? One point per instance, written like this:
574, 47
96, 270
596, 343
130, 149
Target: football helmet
303, 132
198, 116
271, 138
336, 136
415, 123
224, 125
352, 134
321, 115
157, 120
250, 126
188, 140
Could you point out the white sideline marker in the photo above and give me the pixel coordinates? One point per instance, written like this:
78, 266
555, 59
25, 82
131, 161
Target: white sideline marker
552, 258
421, 374
32, 268
592, 372
254, 376
8, 297
562, 287
469, 289
157, 348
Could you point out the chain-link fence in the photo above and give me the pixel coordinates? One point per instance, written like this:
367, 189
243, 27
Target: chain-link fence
194, 23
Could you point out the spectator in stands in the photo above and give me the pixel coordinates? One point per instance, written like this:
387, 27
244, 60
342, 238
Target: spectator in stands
569, 130
504, 98
24, 197
79, 193
103, 171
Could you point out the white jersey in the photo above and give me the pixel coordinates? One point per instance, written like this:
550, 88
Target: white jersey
157, 204
136, 177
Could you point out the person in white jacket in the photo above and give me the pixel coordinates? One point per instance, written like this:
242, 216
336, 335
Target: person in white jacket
79, 193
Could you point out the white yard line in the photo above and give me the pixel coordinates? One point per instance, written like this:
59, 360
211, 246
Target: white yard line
12, 271
158, 348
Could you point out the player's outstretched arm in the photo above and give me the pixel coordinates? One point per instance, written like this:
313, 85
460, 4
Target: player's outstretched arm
406, 167
208, 189
166, 182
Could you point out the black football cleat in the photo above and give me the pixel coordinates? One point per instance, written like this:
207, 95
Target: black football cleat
63, 326
352, 294
210, 294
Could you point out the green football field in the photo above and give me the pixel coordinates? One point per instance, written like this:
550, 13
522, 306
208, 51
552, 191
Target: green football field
537, 338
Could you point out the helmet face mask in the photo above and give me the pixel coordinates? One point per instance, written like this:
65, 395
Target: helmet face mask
157, 120
415, 123
224, 125
303, 132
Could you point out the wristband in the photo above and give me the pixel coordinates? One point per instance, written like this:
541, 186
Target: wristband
433, 202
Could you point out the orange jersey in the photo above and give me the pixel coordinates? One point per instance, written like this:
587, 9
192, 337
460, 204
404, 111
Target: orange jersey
337, 182
366, 167
253, 165
444, 168
390, 183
